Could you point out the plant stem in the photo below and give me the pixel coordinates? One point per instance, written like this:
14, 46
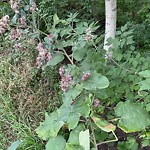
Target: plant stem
68, 57
95, 144
109, 141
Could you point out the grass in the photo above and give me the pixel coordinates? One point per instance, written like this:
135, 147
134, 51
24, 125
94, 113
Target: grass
26, 93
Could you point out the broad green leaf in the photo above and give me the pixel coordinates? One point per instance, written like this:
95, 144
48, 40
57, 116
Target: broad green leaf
145, 84
73, 120
148, 107
81, 107
95, 81
14, 145
103, 124
57, 143
145, 74
84, 139
74, 135
79, 54
73, 147
57, 58
53, 122
71, 94
133, 117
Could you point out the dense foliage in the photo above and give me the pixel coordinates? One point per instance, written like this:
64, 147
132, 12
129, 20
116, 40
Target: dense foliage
53, 65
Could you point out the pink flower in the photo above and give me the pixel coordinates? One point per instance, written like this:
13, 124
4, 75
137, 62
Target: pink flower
22, 20
43, 55
5, 19
50, 36
96, 103
85, 76
33, 7
14, 5
66, 80
16, 34
4, 24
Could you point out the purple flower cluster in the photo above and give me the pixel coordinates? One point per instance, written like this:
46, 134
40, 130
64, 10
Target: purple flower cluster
4, 24
85, 76
43, 55
50, 36
96, 103
66, 80
22, 20
15, 5
18, 46
33, 7
16, 34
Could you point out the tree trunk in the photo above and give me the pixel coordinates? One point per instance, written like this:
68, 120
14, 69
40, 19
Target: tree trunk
110, 24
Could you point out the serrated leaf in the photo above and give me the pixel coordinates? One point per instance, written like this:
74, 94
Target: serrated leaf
14, 145
95, 81
57, 58
84, 139
103, 124
145, 84
133, 117
145, 74
57, 143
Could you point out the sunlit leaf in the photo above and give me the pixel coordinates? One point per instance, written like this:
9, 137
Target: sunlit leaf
133, 117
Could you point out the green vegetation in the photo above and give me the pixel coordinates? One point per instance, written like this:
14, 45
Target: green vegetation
58, 91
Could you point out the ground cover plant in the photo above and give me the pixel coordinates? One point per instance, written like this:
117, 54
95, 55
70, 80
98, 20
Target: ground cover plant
58, 91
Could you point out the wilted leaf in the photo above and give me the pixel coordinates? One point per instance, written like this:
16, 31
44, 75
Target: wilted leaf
103, 124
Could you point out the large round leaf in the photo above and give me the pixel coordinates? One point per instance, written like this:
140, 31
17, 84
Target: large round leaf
95, 81
133, 117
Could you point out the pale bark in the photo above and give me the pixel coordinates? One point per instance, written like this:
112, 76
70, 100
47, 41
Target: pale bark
110, 24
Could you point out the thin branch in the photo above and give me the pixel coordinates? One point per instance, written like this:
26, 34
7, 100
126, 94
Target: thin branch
68, 57
109, 141
95, 144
